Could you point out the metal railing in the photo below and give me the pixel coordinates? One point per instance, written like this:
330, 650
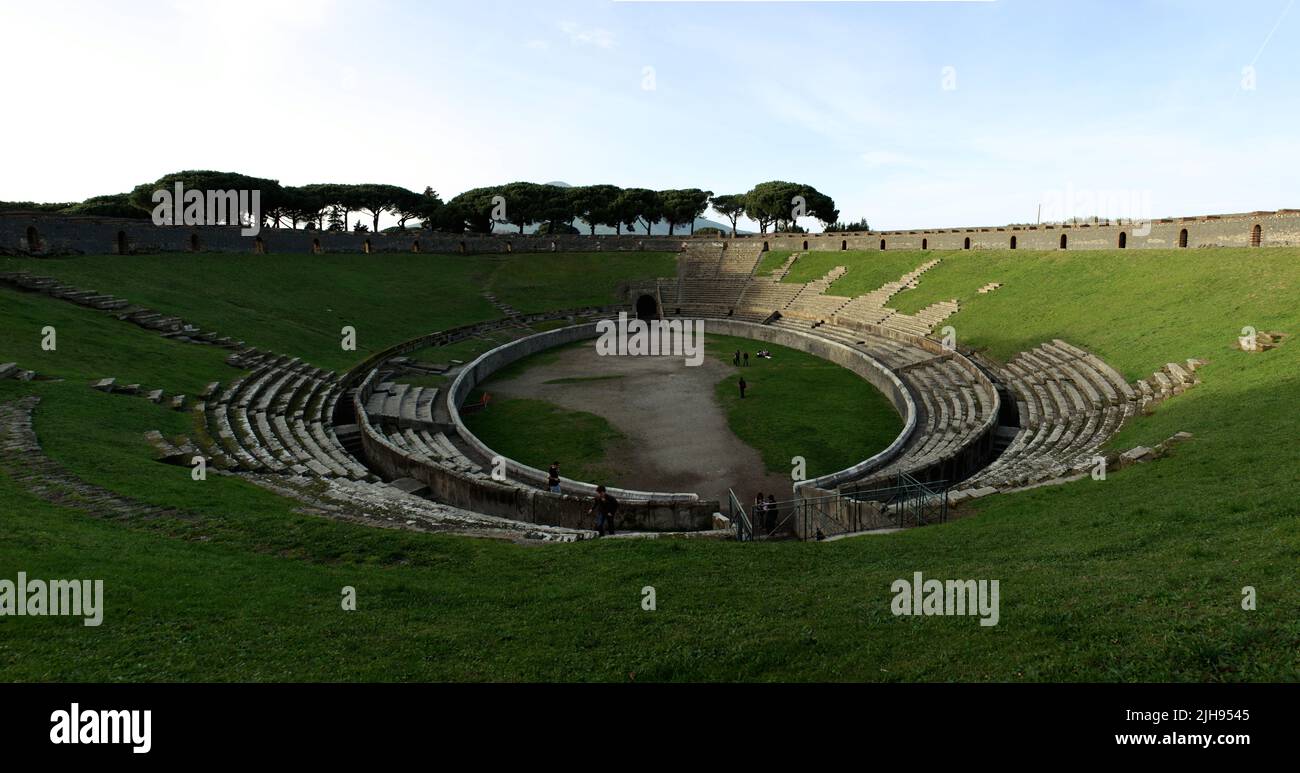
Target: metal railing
739, 518
909, 502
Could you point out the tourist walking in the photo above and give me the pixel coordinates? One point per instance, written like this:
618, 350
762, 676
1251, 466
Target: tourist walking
736, 358
553, 478
605, 507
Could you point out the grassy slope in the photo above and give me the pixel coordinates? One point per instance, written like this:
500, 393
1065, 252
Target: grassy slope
531, 282
867, 270
1137, 577
771, 261
299, 304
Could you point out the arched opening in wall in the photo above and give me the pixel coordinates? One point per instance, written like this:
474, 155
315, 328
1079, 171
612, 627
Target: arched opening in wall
365, 246
1182, 238
462, 248
764, 247
1256, 235
415, 246
966, 244
552, 246
194, 242
805, 244
882, 244
315, 247
123, 246
33, 240
1123, 239
640, 245
259, 247
510, 247
646, 308
1062, 241
844, 244
925, 244
1013, 242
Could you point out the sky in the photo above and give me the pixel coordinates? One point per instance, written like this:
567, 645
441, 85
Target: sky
908, 114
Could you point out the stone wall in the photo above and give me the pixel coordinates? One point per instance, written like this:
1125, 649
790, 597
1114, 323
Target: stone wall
846, 357
66, 235
1276, 229
47, 234
490, 362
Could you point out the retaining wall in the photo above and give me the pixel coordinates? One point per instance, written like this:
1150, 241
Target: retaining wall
49, 234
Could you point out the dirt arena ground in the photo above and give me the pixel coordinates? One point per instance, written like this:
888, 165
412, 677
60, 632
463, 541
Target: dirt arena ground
677, 438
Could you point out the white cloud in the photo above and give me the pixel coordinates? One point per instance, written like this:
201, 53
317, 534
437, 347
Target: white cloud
587, 36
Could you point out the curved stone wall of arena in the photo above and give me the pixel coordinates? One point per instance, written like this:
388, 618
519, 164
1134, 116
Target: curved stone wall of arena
858, 362
530, 505
47, 234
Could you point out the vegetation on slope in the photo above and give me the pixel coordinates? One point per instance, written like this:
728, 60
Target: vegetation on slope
1138, 577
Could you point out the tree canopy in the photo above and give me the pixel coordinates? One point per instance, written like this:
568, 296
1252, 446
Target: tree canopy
551, 208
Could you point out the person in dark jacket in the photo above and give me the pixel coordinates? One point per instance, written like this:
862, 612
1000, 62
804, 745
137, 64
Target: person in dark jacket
743, 387
604, 507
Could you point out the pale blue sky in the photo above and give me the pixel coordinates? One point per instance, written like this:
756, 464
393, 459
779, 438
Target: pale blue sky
1134, 100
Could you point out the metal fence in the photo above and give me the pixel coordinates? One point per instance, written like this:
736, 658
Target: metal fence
907, 502
739, 518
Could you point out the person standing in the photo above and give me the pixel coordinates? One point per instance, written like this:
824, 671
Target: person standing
743, 387
746, 359
770, 513
735, 359
553, 478
604, 507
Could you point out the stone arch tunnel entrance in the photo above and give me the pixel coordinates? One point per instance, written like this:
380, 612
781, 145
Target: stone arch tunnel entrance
647, 308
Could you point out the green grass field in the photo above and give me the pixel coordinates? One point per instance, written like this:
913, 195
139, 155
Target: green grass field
537, 432
1137, 578
790, 401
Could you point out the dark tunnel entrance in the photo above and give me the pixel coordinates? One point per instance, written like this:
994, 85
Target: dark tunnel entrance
646, 308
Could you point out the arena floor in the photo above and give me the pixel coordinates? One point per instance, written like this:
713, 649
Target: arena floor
677, 437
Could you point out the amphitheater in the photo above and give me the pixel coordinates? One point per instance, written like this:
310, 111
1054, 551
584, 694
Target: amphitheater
366, 445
